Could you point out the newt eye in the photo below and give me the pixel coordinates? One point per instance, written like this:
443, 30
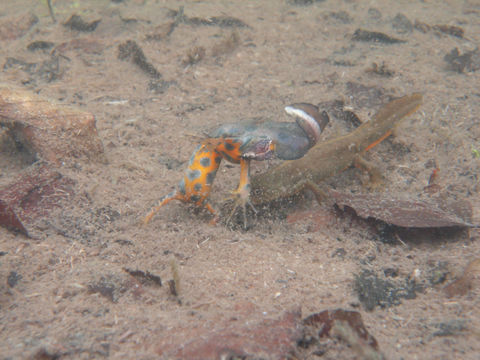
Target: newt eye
260, 150
229, 146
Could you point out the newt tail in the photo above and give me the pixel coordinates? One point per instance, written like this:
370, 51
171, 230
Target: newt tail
329, 158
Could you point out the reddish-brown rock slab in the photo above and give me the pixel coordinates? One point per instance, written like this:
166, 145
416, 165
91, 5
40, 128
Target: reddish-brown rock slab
242, 337
11, 29
52, 132
32, 197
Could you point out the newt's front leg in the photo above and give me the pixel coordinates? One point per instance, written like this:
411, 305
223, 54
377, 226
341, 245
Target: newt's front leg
241, 195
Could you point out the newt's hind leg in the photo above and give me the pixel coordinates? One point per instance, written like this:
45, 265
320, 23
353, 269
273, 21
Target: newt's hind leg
174, 195
376, 178
241, 195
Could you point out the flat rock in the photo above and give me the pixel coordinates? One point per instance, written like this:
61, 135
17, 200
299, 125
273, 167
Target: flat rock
52, 132
399, 212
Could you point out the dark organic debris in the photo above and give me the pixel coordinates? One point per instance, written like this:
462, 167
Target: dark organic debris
421, 26
365, 96
78, 24
374, 36
374, 291
13, 278
325, 320
226, 45
165, 30
40, 45
109, 286
48, 70
456, 31
403, 213
438, 273
341, 16
104, 289
381, 70
304, 2
469, 279
194, 55
159, 86
174, 283
467, 62
402, 24
169, 162
106, 214
172, 287
45, 354
98, 350
130, 51
145, 277
340, 253
452, 30
451, 327
374, 14
336, 108
80, 45
50, 10
390, 272
220, 21
124, 242
32, 197
344, 324
19, 64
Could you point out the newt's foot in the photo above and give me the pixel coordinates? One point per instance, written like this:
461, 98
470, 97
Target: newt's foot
376, 180
241, 198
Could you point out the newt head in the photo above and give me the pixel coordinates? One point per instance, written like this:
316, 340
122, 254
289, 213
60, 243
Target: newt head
260, 149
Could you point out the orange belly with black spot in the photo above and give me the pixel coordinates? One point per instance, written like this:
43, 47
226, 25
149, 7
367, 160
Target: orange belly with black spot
200, 174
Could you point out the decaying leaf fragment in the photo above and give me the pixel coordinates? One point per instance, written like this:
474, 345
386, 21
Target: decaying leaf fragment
346, 325
32, 196
249, 336
52, 132
398, 212
469, 279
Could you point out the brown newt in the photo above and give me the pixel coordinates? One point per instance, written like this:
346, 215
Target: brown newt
329, 158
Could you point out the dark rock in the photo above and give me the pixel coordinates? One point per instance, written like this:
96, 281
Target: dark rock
402, 24
77, 23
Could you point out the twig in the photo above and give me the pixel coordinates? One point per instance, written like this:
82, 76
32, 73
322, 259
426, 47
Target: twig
50, 10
